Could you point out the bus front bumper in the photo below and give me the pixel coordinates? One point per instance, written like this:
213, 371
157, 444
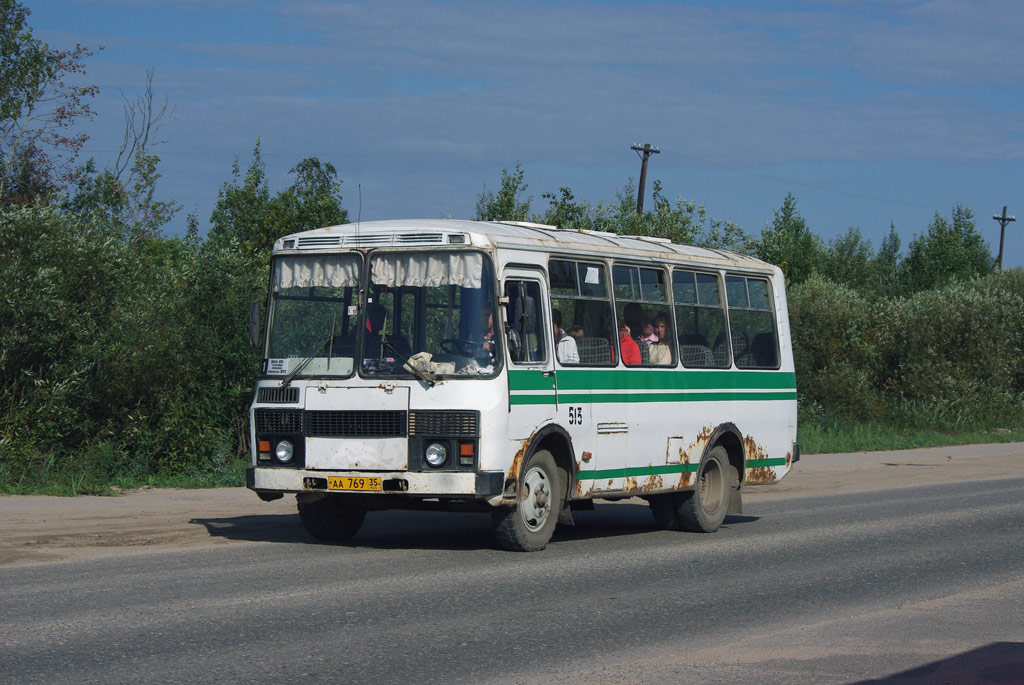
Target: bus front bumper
478, 485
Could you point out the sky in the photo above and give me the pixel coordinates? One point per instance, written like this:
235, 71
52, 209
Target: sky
871, 113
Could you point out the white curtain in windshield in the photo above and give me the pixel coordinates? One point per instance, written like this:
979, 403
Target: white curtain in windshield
429, 270
320, 270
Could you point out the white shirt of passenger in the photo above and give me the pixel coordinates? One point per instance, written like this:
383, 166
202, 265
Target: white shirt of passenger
565, 349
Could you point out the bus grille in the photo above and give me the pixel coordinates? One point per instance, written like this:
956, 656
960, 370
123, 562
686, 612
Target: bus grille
277, 395
278, 421
369, 424
434, 422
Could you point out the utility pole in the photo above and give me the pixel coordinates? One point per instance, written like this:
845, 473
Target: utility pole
1003, 220
648, 151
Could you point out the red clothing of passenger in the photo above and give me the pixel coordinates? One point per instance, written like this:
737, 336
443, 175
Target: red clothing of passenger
630, 350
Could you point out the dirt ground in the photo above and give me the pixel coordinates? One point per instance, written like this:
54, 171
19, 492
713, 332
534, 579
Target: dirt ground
41, 529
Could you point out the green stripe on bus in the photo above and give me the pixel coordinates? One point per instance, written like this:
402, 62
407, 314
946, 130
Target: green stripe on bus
599, 398
637, 471
673, 379
530, 380
653, 379
664, 468
757, 463
533, 399
724, 396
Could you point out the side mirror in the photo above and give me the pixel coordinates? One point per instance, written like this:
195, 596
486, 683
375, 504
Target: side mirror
254, 324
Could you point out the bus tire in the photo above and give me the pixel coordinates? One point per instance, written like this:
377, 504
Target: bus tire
330, 518
702, 509
527, 525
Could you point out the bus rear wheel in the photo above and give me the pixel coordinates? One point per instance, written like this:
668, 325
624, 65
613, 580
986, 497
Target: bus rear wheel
527, 526
702, 509
330, 518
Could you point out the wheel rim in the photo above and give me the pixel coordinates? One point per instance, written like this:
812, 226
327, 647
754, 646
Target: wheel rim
535, 505
711, 487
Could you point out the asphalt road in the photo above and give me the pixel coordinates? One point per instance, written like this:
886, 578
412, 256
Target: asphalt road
918, 584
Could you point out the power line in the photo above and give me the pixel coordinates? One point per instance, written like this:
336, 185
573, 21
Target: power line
808, 185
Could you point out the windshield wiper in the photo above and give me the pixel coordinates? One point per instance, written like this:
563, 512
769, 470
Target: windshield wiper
305, 362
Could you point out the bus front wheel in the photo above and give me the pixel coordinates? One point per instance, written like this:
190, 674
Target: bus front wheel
330, 518
527, 526
702, 509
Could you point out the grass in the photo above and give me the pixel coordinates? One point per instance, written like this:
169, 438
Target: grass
50, 477
819, 438
68, 482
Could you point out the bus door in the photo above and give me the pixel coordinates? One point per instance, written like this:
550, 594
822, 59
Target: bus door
531, 376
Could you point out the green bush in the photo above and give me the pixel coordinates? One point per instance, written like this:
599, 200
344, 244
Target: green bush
835, 351
948, 359
120, 358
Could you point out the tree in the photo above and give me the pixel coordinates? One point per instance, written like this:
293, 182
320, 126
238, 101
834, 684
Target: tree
565, 212
247, 213
788, 243
241, 209
849, 259
121, 200
314, 199
38, 107
950, 250
507, 204
677, 222
886, 264
724, 235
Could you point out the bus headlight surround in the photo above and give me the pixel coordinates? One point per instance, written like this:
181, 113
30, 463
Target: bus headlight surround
436, 454
284, 451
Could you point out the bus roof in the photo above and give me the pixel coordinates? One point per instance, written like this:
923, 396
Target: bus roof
505, 234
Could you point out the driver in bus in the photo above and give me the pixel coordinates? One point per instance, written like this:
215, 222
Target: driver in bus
565, 344
487, 323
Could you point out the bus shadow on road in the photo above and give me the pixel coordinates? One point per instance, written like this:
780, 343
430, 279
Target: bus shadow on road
259, 528
996, 662
409, 529
614, 519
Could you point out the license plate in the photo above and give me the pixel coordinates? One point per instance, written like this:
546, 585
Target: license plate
354, 483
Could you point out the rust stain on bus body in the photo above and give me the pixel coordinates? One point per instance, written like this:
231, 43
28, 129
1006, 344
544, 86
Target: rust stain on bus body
758, 474
513, 470
652, 483
697, 447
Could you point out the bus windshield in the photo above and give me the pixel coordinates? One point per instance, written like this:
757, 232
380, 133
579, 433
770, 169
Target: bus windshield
313, 315
430, 314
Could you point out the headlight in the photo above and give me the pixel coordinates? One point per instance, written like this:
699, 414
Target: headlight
284, 451
436, 454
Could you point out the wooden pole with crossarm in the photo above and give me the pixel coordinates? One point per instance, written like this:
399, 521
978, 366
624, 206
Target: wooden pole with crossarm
1003, 220
648, 151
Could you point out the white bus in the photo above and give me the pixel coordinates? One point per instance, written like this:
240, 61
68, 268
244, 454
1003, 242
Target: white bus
517, 369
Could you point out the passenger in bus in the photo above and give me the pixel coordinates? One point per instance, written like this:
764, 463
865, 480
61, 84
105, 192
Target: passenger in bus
577, 334
633, 315
661, 353
648, 334
630, 350
565, 345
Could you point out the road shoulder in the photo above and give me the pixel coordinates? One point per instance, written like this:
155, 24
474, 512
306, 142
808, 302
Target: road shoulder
42, 529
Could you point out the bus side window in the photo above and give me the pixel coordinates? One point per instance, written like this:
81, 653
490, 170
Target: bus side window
641, 301
525, 330
703, 336
751, 320
581, 298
